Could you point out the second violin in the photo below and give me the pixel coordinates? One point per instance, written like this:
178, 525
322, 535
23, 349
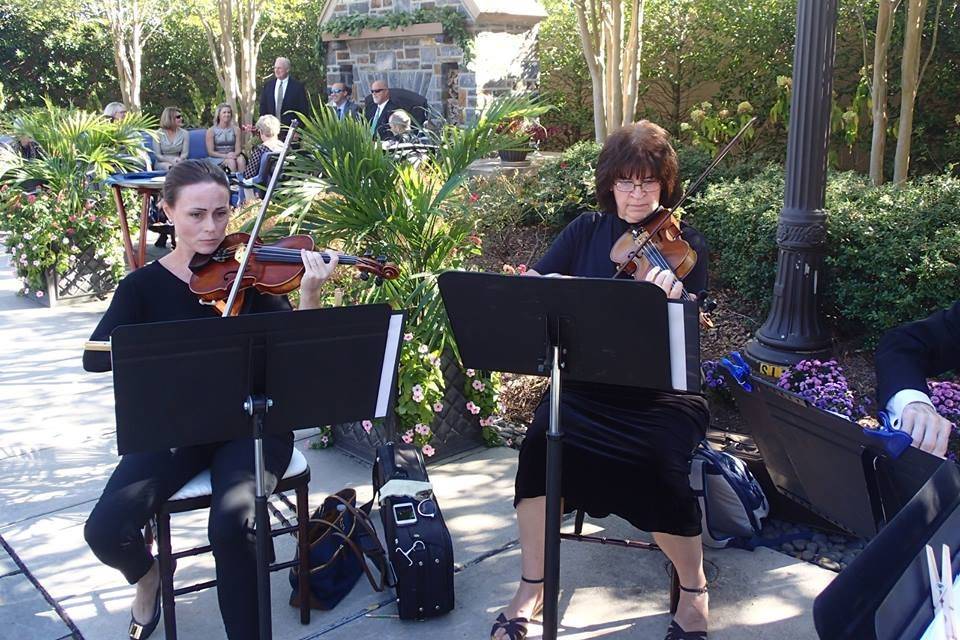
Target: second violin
272, 268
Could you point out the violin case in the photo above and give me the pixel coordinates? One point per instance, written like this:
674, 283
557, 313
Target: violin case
417, 540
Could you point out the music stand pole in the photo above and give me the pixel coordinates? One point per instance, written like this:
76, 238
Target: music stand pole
256, 407
551, 552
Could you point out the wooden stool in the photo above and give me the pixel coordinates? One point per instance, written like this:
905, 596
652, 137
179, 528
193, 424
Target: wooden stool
196, 495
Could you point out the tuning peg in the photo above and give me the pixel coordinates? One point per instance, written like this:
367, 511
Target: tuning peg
364, 276
382, 259
368, 253
379, 281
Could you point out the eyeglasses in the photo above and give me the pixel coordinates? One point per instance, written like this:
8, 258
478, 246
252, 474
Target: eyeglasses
178, 117
376, 90
336, 90
648, 185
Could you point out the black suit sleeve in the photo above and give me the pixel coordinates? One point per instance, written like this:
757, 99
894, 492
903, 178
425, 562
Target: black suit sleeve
302, 103
265, 95
910, 353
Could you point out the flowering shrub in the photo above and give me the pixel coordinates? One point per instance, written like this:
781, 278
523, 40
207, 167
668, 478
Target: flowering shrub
324, 439
46, 231
483, 392
419, 393
946, 399
824, 385
715, 380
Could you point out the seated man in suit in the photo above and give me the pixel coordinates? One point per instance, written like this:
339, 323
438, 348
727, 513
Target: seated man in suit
340, 101
283, 95
906, 357
378, 113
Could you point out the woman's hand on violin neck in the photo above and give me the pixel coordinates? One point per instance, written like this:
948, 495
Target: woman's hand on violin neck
666, 280
316, 272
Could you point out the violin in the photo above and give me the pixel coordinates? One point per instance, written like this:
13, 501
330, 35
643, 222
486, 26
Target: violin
271, 268
656, 242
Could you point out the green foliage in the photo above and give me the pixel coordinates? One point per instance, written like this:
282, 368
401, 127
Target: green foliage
564, 80
892, 254
454, 24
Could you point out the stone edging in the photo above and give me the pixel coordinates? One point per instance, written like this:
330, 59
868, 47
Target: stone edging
423, 29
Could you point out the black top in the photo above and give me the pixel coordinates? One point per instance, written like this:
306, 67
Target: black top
583, 249
154, 294
909, 354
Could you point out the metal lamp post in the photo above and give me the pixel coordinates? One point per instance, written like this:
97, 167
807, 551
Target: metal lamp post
794, 329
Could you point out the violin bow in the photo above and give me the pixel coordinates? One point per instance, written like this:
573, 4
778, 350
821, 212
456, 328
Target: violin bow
689, 192
255, 232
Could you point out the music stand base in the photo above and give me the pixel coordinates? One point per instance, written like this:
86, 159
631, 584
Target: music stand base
257, 406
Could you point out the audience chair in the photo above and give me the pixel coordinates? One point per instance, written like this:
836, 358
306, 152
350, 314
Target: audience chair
196, 495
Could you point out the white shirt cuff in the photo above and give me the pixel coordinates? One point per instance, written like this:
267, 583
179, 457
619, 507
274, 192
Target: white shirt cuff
900, 400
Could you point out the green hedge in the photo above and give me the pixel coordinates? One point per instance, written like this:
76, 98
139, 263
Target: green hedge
892, 253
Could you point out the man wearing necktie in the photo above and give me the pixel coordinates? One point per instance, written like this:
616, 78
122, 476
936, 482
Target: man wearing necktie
341, 102
283, 95
378, 112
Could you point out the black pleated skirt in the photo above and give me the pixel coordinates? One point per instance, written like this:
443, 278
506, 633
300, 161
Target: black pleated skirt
626, 452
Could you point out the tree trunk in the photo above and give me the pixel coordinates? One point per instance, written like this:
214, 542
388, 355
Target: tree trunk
878, 96
909, 77
591, 53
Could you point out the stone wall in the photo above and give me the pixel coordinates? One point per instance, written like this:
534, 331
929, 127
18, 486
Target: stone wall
503, 60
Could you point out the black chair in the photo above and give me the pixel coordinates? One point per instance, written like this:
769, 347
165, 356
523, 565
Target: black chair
410, 101
196, 495
260, 181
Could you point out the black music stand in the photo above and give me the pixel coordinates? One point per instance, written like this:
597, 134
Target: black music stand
571, 329
227, 374
884, 594
855, 478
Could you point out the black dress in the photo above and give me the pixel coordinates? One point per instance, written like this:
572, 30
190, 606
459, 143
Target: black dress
626, 450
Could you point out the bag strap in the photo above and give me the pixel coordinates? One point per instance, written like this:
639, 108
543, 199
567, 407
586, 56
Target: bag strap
374, 551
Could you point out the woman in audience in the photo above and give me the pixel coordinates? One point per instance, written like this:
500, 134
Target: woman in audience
268, 127
115, 111
223, 140
400, 126
172, 144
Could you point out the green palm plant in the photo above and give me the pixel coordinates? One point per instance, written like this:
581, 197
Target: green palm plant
344, 189
78, 148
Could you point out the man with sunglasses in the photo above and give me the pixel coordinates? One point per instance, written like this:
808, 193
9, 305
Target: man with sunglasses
378, 111
341, 102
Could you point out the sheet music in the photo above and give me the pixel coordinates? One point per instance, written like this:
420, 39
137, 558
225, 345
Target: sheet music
390, 353
678, 346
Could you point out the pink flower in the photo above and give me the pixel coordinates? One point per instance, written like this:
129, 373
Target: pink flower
521, 269
324, 439
472, 408
422, 429
478, 385
72, 218
31, 198
428, 450
367, 425
418, 397
407, 337
470, 373
437, 407
424, 349
474, 197
509, 270
91, 217
417, 389
39, 294
407, 437
88, 205
71, 231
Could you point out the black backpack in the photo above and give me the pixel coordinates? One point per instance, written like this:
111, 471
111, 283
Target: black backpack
415, 535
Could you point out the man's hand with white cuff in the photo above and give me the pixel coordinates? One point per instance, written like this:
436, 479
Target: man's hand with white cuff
912, 412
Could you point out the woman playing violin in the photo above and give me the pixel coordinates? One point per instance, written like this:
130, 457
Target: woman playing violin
627, 451
196, 200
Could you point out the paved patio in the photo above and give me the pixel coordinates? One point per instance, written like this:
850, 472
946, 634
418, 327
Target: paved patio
57, 449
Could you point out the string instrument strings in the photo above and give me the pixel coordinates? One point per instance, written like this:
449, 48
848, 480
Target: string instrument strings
645, 240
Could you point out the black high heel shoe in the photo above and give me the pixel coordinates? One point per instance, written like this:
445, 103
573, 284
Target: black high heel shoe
139, 631
516, 628
675, 631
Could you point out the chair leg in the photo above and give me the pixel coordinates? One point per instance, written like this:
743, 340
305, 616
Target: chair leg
303, 549
578, 522
165, 559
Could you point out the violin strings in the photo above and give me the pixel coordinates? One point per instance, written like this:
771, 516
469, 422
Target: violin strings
653, 254
281, 253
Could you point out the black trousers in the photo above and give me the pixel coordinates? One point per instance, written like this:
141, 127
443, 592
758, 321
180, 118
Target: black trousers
143, 481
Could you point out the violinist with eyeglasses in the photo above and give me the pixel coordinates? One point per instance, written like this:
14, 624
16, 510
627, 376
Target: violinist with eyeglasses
196, 199
626, 451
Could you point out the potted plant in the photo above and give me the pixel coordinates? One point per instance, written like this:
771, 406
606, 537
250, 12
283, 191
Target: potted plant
58, 219
367, 200
524, 135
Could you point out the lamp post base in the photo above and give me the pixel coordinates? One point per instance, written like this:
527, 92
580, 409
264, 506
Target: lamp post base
771, 362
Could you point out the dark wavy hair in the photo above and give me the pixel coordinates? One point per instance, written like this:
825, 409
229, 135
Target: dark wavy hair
639, 149
190, 172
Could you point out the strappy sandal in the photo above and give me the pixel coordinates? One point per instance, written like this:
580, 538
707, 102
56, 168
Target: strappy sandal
675, 631
516, 628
